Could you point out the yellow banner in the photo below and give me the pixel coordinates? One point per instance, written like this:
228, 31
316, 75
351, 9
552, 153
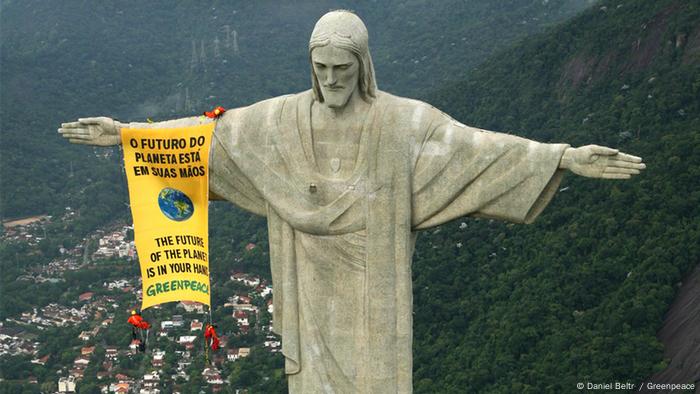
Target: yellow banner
168, 176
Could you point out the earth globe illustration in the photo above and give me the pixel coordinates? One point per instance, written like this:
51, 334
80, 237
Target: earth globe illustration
175, 204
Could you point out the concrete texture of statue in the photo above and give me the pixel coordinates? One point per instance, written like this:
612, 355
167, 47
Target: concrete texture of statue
346, 175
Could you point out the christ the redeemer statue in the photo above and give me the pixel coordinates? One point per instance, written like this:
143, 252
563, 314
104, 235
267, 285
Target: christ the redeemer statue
346, 175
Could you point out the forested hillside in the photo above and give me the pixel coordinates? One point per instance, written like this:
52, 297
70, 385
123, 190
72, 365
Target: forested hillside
499, 308
579, 295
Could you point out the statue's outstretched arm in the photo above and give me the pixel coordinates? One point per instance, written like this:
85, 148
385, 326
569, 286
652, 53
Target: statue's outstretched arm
104, 131
595, 161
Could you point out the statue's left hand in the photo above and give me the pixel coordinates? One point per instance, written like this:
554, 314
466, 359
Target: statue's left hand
595, 161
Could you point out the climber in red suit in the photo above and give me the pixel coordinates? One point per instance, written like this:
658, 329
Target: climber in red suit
138, 326
211, 337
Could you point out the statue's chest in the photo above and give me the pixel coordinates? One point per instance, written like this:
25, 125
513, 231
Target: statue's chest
336, 150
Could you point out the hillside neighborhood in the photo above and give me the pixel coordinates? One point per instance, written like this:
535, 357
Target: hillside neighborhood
175, 342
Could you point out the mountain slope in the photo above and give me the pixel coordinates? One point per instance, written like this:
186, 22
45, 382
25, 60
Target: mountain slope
680, 335
579, 295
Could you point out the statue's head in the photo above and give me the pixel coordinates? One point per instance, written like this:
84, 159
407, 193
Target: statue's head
340, 61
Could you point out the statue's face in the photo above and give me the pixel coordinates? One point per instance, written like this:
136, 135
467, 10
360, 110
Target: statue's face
338, 72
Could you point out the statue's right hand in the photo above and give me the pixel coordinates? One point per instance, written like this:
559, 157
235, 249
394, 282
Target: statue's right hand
101, 131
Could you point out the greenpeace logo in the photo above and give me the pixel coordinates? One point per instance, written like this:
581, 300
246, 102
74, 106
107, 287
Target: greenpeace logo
173, 285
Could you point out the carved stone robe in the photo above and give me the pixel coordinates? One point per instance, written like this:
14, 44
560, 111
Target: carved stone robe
341, 250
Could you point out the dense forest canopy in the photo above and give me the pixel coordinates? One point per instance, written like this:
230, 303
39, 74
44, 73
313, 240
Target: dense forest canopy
577, 296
